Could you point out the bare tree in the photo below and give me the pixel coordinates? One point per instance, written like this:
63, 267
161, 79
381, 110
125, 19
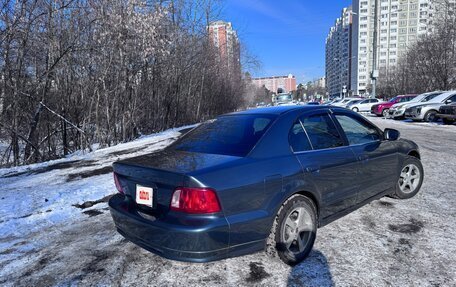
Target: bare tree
77, 72
430, 63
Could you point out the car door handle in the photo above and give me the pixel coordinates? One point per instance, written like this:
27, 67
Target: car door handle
313, 168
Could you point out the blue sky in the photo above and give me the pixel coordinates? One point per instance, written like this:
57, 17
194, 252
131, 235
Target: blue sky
287, 36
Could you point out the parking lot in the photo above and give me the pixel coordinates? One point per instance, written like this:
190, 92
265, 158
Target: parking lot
388, 242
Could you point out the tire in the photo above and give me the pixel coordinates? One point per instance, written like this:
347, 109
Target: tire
385, 113
430, 116
280, 243
448, 122
406, 190
355, 109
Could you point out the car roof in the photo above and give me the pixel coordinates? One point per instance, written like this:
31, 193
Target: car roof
278, 110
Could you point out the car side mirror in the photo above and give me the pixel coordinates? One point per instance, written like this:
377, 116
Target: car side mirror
447, 102
391, 134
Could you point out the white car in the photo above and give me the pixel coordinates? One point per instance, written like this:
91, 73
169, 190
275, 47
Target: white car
343, 102
397, 110
427, 111
364, 105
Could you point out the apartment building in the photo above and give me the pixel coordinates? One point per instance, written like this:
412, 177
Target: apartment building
400, 24
339, 54
286, 83
225, 38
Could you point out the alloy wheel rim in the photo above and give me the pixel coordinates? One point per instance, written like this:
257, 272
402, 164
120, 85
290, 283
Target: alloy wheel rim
410, 178
297, 230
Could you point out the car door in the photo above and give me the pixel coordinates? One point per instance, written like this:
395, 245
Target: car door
327, 161
361, 105
366, 105
378, 158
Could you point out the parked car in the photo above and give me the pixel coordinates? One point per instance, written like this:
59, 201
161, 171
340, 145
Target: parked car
352, 102
364, 105
382, 109
261, 179
447, 113
427, 111
397, 110
313, 103
343, 102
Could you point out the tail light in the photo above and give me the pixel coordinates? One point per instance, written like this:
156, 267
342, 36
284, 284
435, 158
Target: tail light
195, 200
118, 185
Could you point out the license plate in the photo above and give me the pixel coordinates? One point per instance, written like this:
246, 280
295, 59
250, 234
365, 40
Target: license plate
144, 195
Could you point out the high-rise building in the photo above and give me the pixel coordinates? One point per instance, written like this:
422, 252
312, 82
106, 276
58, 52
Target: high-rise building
338, 55
349, 45
286, 83
400, 24
225, 39
320, 82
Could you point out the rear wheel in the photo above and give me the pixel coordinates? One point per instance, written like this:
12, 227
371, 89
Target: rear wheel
430, 116
410, 178
355, 109
294, 230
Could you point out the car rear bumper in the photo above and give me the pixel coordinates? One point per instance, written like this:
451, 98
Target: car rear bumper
193, 238
375, 112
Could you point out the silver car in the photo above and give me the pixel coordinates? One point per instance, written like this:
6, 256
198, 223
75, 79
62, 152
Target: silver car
397, 111
427, 111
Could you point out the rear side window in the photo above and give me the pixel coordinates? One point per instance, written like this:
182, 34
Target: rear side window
298, 138
321, 131
357, 130
234, 135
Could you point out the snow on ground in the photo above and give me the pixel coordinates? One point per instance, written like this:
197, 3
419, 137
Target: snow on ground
45, 240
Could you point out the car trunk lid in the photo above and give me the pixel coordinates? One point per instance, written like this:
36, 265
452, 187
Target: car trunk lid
163, 172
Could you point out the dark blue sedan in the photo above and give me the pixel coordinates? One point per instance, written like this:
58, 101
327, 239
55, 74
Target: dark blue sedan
262, 179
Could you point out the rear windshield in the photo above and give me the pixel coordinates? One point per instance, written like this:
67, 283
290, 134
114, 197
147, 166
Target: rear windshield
228, 135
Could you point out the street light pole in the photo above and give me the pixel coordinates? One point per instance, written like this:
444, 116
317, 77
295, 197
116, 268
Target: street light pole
374, 73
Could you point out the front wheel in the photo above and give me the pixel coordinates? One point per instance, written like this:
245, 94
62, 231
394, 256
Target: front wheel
385, 113
430, 116
294, 230
355, 109
410, 179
